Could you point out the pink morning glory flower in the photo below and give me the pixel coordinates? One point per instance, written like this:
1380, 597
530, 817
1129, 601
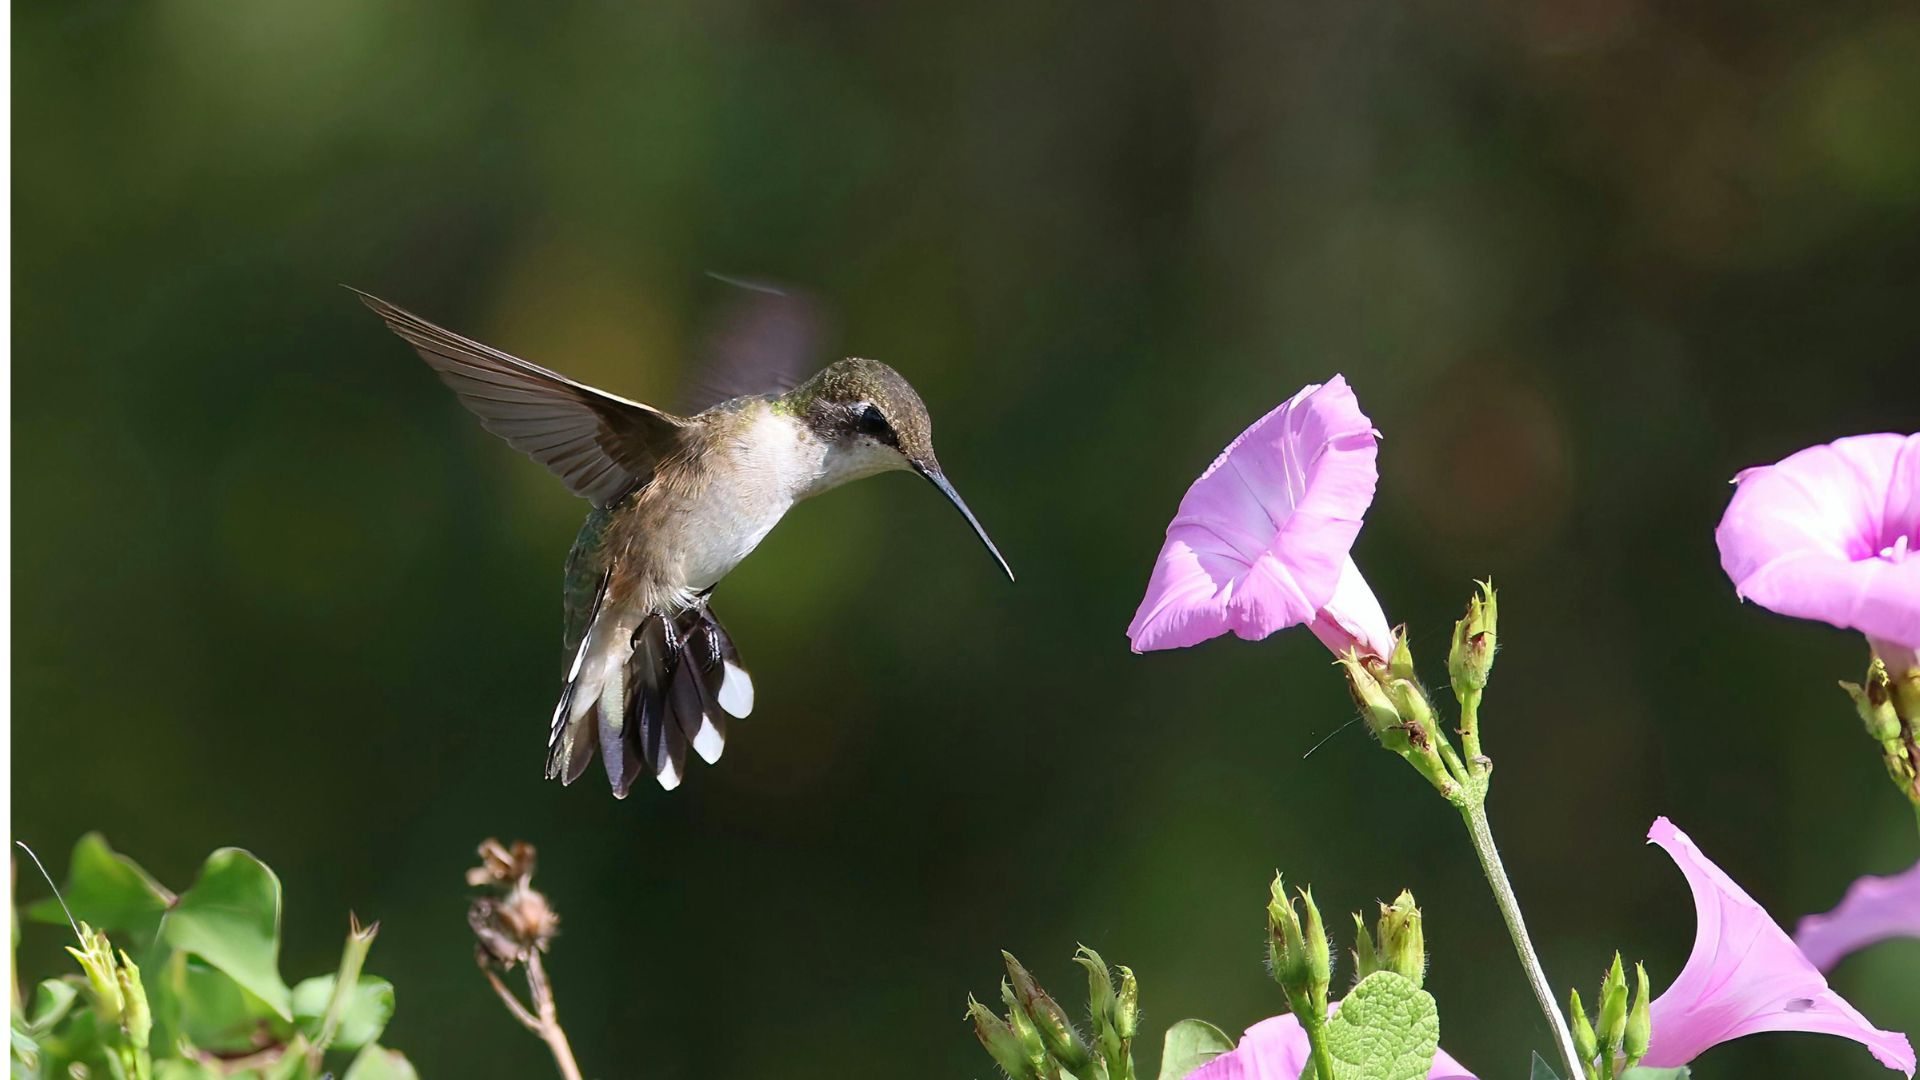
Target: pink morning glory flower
1276, 1049
1875, 909
1833, 533
1746, 976
1261, 541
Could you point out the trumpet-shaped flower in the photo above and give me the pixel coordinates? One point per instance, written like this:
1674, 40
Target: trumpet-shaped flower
1261, 541
1833, 533
1746, 976
1875, 909
1276, 1049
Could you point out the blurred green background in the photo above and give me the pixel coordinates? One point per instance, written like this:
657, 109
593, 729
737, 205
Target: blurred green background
1581, 260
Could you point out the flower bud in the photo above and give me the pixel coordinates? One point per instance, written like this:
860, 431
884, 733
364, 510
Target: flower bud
1583, 1041
1366, 959
1126, 1012
1613, 1009
138, 1018
103, 981
1100, 996
1049, 1019
1319, 955
1022, 1026
1470, 658
1874, 703
1639, 1020
1376, 707
1401, 666
1403, 943
1000, 1041
1287, 946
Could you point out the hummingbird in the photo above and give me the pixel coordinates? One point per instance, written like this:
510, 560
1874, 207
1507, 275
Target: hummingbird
677, 502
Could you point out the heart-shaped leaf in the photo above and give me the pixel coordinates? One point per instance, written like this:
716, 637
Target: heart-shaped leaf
1189, 1045
211, 1009
108, 891
368, 1008
1386, 1029
231, 919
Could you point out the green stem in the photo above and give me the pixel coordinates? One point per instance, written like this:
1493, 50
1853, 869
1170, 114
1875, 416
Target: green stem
1475, 813
1316, 1028
1470, 729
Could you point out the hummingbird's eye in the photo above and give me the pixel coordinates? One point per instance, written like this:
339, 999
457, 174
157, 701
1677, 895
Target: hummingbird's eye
869, 420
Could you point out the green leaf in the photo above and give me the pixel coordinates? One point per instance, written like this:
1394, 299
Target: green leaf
1189, 1045
109, 891
376, 1062
1385, 1029
1678, 1072
368, 1008
1542, 1070
213, 1011
51, 1000
231, 919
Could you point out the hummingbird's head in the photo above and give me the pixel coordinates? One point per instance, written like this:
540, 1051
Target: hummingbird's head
875, 422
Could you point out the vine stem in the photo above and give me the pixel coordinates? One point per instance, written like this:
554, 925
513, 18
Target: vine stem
543, 1019
1475, 812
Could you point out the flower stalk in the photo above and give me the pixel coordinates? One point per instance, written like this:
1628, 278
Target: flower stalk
1397, 710
513, 925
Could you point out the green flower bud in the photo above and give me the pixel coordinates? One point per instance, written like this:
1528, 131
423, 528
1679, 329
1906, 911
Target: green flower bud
1583, 1041
1002, 1044
1612, 1027
1126, 1013
1100, 997
1401, 666
138, 1018
1403, 943
1286, 947
1874, 703
1023, 1028
1376, 707
103, 982
1366, 959
1470, 658
1410, 701
1639, 1020
1057, 1034
1302, 964
1319, 955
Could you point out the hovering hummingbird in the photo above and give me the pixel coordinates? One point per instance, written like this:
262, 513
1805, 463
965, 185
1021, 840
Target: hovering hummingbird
678, 502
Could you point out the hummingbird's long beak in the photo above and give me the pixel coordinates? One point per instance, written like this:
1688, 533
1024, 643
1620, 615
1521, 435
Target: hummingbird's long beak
939, 480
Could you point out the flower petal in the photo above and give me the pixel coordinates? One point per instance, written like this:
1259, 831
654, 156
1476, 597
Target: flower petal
1874, 910
1824, 534
1352, 619
1745, 976
1276, 1049
1260, 539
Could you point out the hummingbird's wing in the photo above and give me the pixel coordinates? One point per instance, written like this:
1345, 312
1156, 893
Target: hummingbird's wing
602, 446
764, 342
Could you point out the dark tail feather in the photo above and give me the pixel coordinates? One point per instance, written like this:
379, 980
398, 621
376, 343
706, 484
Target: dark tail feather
680, 681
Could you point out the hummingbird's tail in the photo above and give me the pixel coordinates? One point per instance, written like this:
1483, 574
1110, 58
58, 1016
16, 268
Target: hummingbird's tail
640, 695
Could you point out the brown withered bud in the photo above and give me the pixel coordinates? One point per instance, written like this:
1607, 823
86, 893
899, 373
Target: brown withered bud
516, 921
501, 865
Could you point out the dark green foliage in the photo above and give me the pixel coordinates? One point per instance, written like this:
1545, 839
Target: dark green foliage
172, 985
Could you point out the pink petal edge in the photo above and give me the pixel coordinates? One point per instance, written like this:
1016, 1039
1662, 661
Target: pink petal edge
1745, 975
1875, 909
